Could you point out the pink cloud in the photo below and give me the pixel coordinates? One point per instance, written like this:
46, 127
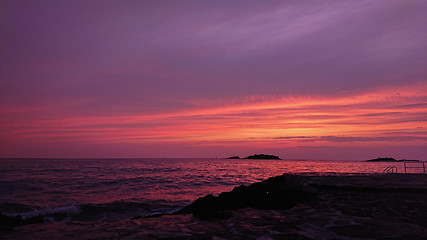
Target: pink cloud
365, 118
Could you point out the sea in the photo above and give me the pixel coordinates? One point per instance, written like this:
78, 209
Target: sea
101, 190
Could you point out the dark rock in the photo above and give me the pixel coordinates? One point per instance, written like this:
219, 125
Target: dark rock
262, 156
7, 223
234, 157
386, 159
407, 160
281, 192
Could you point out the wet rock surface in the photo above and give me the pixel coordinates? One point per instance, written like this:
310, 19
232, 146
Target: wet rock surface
346, 207
7, 223
281, 192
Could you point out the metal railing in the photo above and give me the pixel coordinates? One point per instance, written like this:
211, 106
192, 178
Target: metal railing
408, 165
390, 169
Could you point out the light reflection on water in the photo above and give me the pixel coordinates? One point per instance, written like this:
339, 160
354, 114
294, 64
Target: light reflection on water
63, 182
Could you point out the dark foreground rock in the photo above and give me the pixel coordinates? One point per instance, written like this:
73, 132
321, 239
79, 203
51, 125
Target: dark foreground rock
281, 192
7, 223
345, 207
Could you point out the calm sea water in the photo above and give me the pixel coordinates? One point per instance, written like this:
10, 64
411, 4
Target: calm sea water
112, 189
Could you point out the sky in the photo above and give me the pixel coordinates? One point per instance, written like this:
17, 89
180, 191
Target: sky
337, 80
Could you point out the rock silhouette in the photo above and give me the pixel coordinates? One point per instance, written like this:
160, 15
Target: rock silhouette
384, 159
262, 156
7, 223
281, 192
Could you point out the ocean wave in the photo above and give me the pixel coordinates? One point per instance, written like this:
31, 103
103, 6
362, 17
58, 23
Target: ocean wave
96, 212
68, 210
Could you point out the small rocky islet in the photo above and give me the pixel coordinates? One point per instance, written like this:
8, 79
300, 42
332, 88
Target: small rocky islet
258, 156
390, 159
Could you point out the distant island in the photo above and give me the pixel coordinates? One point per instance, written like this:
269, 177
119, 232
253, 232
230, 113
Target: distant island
258, 156
389, 159
384, 159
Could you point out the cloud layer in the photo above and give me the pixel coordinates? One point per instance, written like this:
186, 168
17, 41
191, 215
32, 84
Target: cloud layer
274, 74
395, 116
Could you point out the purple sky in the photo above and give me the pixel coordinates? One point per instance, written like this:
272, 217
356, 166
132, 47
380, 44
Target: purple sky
83, 59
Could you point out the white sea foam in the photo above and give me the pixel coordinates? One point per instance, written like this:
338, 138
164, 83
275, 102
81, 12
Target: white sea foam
70, 210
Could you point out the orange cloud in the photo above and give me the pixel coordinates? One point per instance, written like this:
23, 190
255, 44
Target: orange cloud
392, 115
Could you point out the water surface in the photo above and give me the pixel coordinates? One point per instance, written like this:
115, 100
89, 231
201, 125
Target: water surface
110, 189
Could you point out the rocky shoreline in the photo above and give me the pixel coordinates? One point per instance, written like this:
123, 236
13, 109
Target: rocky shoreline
346, 206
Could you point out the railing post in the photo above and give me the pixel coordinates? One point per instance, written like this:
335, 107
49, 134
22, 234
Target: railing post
416, 167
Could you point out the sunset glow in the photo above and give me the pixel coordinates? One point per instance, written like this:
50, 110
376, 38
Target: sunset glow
386, 116
323, 80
